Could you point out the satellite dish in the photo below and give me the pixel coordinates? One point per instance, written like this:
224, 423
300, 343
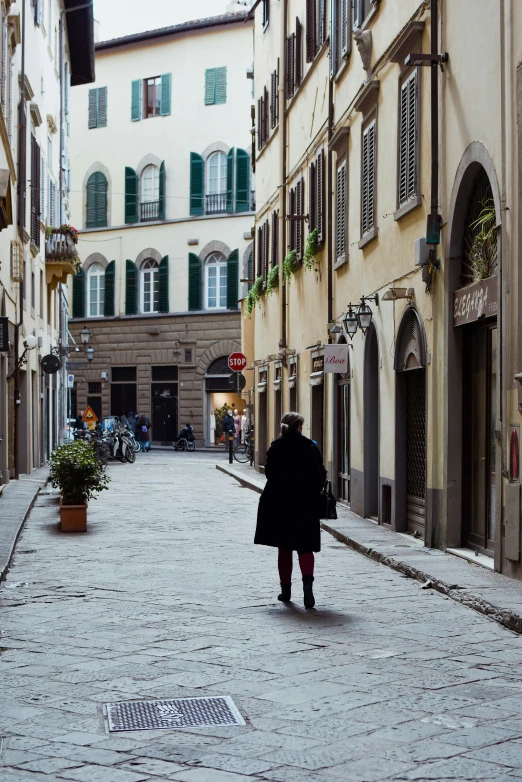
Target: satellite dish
51, 364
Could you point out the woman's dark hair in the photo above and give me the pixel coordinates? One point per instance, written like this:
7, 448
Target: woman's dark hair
291, 422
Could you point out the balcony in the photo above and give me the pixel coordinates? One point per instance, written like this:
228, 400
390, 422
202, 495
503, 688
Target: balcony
216, 203
149, 210
61, 255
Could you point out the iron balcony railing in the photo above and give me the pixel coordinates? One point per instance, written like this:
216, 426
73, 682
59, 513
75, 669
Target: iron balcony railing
216, 202
150, 210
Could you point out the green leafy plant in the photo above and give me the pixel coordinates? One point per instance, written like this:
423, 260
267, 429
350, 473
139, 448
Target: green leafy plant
483, 248
254, 296
272, 282
310, 250
76, 471
289, 265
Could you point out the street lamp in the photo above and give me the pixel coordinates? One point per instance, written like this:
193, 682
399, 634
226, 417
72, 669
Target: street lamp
85, 335
90, 354
30, 342
364, 313
350, 321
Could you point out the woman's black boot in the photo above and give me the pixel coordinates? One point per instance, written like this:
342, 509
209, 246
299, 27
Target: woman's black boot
286, 593
309, 599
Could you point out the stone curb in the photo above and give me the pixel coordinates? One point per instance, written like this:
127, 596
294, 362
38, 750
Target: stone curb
18, 509
509, 619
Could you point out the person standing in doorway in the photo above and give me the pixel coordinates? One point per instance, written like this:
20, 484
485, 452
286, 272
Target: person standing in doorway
228, 426
143, 429
289, 507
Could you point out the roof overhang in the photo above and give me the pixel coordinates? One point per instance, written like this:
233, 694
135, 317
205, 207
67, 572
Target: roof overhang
80, 33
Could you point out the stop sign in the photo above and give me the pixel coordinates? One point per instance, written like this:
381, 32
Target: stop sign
237, 362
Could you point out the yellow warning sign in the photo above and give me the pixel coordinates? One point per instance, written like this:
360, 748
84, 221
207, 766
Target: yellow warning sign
90, 417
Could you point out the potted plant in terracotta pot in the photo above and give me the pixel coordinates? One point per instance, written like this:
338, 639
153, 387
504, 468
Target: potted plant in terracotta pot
78, 474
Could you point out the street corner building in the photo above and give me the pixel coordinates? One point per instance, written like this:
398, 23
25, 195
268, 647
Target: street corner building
387, 163
164, 197
46, 48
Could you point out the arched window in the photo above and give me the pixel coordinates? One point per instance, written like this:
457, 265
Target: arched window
216, 281
217, 182
150, 193
149, 273
96, 290
96, 201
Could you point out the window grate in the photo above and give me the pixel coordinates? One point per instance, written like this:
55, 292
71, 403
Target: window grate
173, 714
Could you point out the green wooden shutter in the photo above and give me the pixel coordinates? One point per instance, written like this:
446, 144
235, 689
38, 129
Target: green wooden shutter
165, 94
78, 296
131, 288
210, 86
194, 283
250, 270
230, 181
221, 85
136, 101
90, 216
110, 278
232, 280
242, 181
163, 294
102, 107
162, 191
101, 200
131, 195
93, 109
197, 184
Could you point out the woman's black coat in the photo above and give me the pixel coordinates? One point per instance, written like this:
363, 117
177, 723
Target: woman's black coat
289, 510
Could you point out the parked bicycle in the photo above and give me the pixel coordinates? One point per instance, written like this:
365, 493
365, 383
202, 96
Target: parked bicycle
244, 452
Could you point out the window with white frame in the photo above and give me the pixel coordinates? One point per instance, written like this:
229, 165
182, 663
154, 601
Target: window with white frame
217, 183
150, 193
216, 281
96, 290
149, 287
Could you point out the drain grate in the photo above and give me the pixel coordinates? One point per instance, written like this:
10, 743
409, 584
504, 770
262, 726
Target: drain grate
172, 714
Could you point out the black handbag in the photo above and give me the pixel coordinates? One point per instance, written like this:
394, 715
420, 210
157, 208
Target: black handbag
328, 502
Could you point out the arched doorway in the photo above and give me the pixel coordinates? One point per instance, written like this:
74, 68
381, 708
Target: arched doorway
410, 426
472, 355
371, 425
222, 395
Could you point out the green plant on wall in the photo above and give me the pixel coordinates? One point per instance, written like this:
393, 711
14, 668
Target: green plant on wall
483, 249
254, 296
289, 265
272, 282
310, 250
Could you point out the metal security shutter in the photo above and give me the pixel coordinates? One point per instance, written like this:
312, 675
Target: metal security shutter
408, 140
110, 279
368, 179
131, 288
340, 212
197, 184
79, 294
163, 285
232, 280
194, 282
131, 195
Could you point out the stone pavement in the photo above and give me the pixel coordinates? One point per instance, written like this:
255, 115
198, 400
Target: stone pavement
166, 596
16, 501
490, 593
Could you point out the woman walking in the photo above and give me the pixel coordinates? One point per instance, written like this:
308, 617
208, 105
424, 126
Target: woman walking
289, 508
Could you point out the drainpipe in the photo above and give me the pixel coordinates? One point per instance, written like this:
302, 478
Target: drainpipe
22, 188
503, 286
434, 110
283, 342
330, 179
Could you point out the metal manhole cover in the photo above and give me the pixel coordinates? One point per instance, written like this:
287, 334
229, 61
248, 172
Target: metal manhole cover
172, 714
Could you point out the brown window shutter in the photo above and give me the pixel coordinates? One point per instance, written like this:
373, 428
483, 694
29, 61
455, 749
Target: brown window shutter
298, 52
310, 30
35, 192
312, 191
322, 22
368, 179
340, 210
274, 248
265, 116
298, 223
319, 180
259, 259
291, 211
273, 99
289, 75
260, 123
264, 271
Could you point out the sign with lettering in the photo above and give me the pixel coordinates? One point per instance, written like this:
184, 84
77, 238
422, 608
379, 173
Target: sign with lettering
475, 301
4, 335
336, 359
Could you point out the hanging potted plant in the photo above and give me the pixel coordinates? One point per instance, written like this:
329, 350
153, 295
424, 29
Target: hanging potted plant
78, 474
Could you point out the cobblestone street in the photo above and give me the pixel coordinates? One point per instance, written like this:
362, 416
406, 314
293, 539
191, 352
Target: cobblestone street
166, 597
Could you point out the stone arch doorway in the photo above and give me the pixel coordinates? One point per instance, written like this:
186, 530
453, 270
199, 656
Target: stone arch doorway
471, 480
410, 425
371, 425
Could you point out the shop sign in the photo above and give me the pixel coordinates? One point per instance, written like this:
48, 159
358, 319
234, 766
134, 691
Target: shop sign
475, 301
4, 335
318, 364
336, 359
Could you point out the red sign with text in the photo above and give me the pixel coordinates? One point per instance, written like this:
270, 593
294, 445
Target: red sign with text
237, 362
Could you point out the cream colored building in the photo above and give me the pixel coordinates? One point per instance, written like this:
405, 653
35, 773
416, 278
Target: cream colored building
47, 52
414, 435
163, 193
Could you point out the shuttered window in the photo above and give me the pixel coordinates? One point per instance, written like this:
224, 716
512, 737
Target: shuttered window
312, 197
262, 120
274, 99
215, 86
151, 97
98, 108
315, 27
197, 184
408, 144
292, 231
110, 289
131, 195
340, 212
344, 24
266, 246
319, 184
368, 176
163, 295
298, 67
250, 270
266, 12
194, 282
96, 201
230, 181
96, 290
242, 181
274, 259
131, 288
78, 297
233, 280
290, 65
299, 210
35, 193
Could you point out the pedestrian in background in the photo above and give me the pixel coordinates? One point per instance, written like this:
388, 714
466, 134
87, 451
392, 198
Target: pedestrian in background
237, 427
143, 429
79, 424
229, 426
289, 507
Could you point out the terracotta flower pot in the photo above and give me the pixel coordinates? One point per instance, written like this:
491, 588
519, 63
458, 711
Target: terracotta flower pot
73, 518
